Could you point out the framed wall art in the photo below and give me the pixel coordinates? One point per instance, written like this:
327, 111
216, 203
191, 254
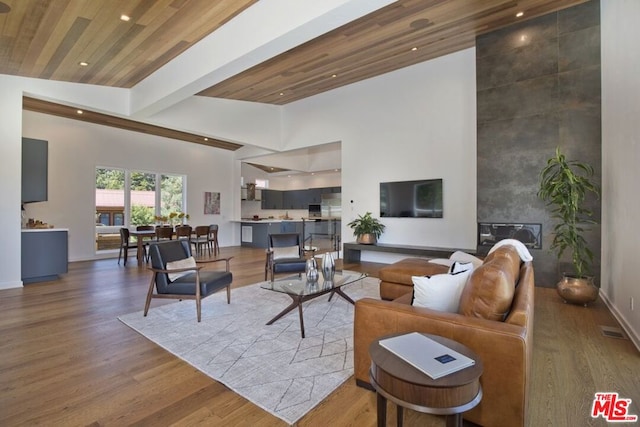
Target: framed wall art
211, 203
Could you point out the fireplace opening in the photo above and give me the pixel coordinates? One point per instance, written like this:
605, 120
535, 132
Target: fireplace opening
489, 233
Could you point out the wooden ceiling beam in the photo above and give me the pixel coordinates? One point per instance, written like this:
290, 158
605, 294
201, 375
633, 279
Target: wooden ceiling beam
54, 109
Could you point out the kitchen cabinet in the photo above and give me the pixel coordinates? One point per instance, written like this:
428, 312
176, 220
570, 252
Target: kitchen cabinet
314, 196
295, 199
272, 199
44, 254
34, 170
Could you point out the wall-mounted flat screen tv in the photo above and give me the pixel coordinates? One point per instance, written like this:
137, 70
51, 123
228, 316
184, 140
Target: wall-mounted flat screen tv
412, 199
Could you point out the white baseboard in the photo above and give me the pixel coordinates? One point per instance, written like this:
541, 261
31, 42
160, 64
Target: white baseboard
11, 285
631, 333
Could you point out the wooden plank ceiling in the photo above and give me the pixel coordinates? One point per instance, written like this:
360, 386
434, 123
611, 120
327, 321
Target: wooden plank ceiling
49, 39
404, 33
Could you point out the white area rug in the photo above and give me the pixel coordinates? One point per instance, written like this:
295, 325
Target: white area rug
272, 366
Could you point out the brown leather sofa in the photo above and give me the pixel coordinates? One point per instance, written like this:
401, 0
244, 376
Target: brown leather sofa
495, 320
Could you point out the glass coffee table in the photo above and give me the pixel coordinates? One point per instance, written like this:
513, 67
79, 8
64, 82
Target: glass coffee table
300, 291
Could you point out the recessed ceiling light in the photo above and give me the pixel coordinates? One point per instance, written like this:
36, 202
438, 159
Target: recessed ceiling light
83, 63
519, 14
414, 48
206, 139
79, 111
281, 93
334, 75
125, 18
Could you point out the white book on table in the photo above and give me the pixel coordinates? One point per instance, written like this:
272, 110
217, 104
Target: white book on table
429, 356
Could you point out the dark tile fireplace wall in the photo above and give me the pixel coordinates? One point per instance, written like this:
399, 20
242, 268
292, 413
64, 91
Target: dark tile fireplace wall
538, 87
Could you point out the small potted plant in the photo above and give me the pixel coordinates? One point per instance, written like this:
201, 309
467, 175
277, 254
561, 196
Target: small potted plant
564, 185
367, 229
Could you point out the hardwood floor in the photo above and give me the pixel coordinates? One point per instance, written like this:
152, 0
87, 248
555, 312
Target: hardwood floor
65, 360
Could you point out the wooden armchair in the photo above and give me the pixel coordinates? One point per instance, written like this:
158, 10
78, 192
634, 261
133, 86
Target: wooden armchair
177, 275
284, 255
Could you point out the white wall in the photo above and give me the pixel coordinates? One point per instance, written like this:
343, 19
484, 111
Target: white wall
415, 123
620, 160
76, 148
10, 182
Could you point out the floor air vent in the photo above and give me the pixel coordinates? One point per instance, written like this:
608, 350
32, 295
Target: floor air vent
613, 332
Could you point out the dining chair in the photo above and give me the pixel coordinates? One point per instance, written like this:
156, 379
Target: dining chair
213, 239
125, 244
284, 255
201, 239
164, 233
183, 232
176, 274
145, 243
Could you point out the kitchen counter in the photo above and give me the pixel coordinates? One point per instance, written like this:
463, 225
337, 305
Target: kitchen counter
266, 220
35, 230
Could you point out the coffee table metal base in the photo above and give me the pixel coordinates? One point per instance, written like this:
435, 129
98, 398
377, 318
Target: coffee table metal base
299, 299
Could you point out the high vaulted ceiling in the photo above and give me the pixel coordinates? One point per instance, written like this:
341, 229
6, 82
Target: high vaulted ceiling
49, 38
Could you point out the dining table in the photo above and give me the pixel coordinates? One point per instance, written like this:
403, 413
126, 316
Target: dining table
140, 236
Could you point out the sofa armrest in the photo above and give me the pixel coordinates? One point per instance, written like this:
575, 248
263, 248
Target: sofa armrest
502, 347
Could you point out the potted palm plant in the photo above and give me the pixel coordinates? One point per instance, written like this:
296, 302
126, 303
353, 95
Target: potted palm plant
564, 185
367, 229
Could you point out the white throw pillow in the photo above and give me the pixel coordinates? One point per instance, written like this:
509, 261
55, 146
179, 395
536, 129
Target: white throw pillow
287, 252
439, 292
465, 257
459, 267
181, 263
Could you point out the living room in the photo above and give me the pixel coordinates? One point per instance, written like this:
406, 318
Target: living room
433, 117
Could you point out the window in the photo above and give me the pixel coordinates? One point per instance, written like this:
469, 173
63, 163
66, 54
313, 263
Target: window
142, 191
148, 195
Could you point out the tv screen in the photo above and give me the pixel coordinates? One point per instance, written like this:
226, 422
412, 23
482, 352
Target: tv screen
417, 199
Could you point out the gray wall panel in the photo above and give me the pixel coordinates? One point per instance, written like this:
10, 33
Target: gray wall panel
538, 88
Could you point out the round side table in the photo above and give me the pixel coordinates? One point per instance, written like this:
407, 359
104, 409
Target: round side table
408, 387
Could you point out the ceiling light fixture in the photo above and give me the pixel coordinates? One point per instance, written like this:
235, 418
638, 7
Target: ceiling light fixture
125, 18
519, 14
334, 75
83, 63
413, 49
281, 93
79, 111
206, 139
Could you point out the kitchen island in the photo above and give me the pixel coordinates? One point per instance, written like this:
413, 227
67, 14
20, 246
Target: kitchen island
255, 233
313, 231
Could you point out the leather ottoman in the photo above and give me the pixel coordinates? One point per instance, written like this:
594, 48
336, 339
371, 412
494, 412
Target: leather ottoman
395, 279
